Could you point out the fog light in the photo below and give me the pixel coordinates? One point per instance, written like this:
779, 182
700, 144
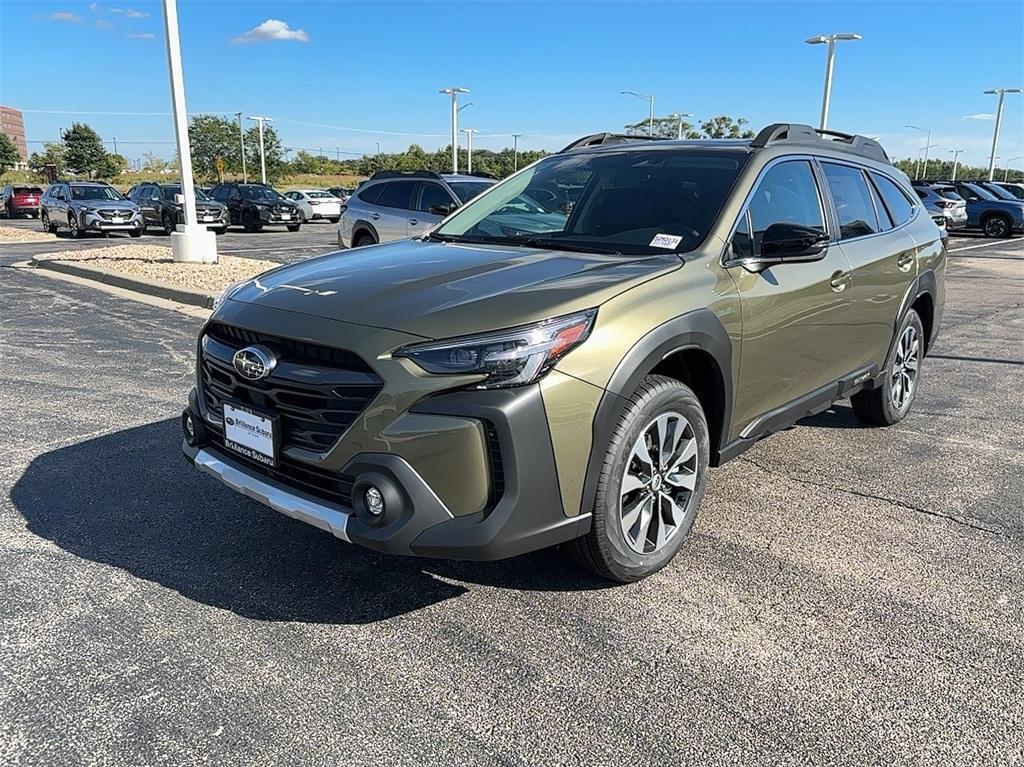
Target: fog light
374, 501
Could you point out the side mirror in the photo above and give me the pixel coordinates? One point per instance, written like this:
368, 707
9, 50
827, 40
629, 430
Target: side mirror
444, 209
793, 242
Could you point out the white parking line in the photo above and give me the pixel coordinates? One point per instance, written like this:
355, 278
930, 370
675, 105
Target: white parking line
1004, 243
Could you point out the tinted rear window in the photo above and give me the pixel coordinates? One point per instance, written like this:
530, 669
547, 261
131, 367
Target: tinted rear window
27, 190
398, 194
899, 207
467, 190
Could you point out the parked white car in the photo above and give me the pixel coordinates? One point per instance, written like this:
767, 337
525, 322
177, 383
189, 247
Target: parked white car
316, 203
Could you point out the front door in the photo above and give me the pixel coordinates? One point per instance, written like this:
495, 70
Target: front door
795, 315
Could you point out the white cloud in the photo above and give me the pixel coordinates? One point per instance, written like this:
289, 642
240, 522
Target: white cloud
980, 116
130, 13
103, 24
142, 36
94, 7
66, 17
271, 29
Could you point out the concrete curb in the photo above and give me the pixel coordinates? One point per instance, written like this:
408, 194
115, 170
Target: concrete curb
137, 284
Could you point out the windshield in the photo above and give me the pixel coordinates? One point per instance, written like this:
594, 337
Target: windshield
257, 192
319, 195
999, 192
633, 202
981, 192
467, 190
169, 192
95, 193
948, 192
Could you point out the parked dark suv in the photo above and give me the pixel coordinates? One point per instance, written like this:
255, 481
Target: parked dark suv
159, 207
518, 378
254, 206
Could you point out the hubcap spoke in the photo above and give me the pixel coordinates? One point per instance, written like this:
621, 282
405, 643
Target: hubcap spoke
682, 480
630, 484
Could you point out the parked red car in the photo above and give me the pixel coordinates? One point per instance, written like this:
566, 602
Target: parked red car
17, 199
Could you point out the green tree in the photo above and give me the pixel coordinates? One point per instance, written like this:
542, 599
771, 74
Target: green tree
725, 127
664, 127
214, 138
112, 165
52, 154
9, 156
83, 150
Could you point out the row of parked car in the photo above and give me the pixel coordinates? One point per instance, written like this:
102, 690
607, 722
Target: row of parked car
95, 206
994, 207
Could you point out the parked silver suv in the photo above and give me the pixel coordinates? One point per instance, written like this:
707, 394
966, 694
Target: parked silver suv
84, 206
396, 205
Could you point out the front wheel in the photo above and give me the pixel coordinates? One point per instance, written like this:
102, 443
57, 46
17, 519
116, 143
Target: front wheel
168, 224
890, 401
76, 230
293, 227
651, 484
48, 226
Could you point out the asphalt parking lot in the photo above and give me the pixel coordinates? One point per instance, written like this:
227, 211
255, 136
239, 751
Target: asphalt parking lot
274, 242
850, 595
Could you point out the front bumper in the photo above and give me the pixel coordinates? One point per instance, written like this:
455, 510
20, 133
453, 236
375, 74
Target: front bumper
524, 512
98, 223
272, 217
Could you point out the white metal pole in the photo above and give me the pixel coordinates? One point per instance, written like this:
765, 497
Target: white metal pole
956, 158
469, 151
927, 146
650, 120
455, 132
515, 151
179, 109
995, 134
829, 66
263, 160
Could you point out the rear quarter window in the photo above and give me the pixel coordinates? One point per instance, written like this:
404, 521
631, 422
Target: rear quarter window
896, 202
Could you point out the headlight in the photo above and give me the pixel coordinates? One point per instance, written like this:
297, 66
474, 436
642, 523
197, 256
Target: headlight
87, 209
221, 297
508, 357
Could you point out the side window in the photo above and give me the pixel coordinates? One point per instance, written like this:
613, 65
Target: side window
432, 195
234, 195
372, 193
398, 194
787, 194
899, 207
852, 199
922, 194
218, 194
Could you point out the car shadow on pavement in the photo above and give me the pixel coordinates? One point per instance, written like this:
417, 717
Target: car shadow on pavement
836, 417
130, 500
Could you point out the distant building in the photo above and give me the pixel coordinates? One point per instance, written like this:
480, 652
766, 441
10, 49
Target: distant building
12, 123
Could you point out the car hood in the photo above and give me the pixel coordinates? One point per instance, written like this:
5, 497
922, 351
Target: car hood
106, 204
437, 290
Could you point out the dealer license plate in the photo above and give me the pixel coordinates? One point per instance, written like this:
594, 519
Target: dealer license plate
117, 220
251, 434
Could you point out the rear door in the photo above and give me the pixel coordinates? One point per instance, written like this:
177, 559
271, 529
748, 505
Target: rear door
882, 255
394, 208
795, 314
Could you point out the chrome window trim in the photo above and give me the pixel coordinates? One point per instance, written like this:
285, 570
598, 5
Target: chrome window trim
862, 168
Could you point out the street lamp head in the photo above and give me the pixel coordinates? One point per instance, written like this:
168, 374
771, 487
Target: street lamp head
819, 40
848, 36
451, 91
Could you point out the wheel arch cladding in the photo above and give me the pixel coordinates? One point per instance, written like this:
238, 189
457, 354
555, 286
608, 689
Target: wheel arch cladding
364, 227
693, 348
921, 298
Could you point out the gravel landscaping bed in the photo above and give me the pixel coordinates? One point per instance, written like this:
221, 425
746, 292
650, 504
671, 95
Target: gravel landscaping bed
153, 262
13, 234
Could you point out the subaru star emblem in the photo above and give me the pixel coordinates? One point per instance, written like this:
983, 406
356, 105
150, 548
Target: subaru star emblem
254, 362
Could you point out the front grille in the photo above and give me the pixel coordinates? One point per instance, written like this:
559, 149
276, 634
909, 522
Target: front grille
109, 213
317, 391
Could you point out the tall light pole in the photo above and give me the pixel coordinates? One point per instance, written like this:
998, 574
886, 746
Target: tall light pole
241, 138
650, 103
927, 141
1006, 173
191, 242
259, 120
515, 151
999, 121
956, 160
454, 93
679, 116
830, 61
469, 148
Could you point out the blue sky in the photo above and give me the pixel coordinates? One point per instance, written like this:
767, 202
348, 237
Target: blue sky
347, 74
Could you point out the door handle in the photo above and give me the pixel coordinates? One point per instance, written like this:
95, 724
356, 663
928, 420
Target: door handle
413, 222
839, 281
905, 261
375, 216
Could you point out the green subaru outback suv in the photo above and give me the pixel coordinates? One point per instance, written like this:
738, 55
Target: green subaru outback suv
562, 360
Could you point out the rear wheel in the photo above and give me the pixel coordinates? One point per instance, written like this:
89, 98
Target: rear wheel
996, 226
334, 219
651, 484
364, 239
47, 225
890, 401
76, 230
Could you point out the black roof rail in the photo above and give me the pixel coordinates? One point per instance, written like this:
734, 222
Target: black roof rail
404, 174
797, 133
601, 139
476, 174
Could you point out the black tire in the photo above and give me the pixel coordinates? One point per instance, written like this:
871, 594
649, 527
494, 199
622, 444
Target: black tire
137, 232
293, 227
997, 225
250, 222
6, 211
48, 225
334, 219
35, 214
605, 549
73, 225
364, 239
878, 406
168, 225
220, 230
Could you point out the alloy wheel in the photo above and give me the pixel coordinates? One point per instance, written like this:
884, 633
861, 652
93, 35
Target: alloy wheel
904, 368
73, 224
995, 227
658, 483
